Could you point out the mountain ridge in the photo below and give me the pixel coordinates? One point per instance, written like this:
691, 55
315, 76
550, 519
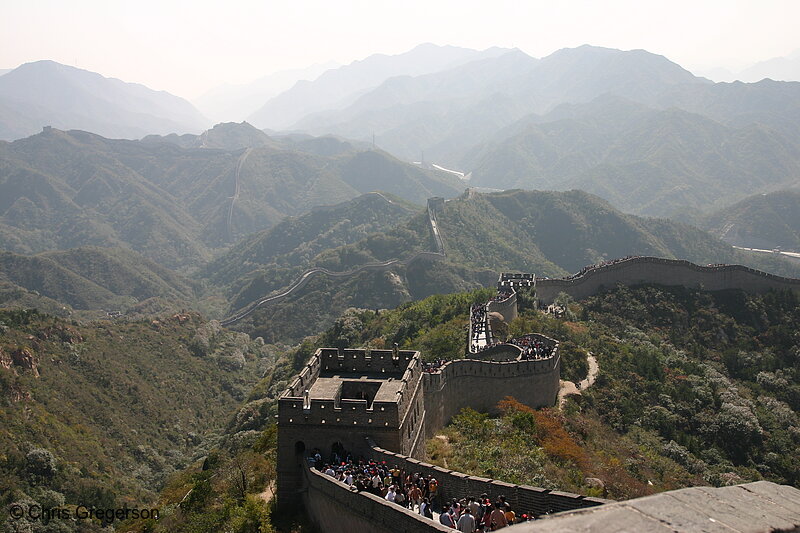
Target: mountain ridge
49, 93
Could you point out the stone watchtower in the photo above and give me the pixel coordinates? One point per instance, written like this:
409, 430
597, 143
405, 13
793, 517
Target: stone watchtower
340, 398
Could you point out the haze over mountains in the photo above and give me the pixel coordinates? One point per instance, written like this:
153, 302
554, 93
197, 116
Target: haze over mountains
174, 204
236, 102
339, 87
478, 118
46, 93
784, 68
436, 109
628, 126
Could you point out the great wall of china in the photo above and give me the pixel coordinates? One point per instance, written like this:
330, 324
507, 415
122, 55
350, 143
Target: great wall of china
305, 277
655, 270
382, 405
629, 271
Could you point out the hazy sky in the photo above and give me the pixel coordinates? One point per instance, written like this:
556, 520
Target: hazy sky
187, 47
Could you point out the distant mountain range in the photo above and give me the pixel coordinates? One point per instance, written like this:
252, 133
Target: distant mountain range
339, 87
446, 113
786, 68
631, 126
175, 205
46, 93
643, 160
236, 102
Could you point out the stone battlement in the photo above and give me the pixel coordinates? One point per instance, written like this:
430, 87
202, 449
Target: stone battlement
656, 270
382, 361
342, 398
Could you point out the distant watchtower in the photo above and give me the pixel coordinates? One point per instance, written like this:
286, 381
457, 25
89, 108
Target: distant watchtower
340, 398
435, 204
515, 281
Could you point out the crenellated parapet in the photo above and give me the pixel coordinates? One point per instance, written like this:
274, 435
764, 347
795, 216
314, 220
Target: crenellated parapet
482, 384
656, 270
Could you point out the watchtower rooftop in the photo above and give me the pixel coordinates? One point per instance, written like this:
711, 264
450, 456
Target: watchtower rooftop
516, 280
352, 387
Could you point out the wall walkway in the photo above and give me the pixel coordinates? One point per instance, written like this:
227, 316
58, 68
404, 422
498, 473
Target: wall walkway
655, 270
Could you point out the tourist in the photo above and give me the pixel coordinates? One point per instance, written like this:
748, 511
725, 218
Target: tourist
487, 516
474, 507
391, 495
498, 517
467, 522
415, 496
446, 519
425, 509
510, 515
433, 486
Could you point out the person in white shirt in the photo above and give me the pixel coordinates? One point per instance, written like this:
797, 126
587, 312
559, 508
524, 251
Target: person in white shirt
467, 522
391, 495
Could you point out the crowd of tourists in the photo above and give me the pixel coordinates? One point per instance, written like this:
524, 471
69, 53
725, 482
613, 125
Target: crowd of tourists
532, 347
588, 268
502, 294
477, 317
472, 514
418, 493
433, 366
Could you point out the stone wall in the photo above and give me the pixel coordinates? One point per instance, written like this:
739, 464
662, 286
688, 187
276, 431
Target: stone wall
482, 384
507, 307
334, 508
643, 270
382, 361
523, 498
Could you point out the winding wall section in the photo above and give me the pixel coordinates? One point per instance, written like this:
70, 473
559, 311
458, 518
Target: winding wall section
309, 274
644, 270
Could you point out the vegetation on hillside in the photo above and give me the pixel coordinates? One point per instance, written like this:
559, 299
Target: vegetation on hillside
103, 413
694, 388
93, 278
764, 221
62, 190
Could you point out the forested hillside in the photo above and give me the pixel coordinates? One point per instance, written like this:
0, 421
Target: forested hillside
642, 160
549, 233
92, 278
764, 221
176, 205
694, 388
106, 412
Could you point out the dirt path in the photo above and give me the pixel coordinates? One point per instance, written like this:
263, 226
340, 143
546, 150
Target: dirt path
568, 387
